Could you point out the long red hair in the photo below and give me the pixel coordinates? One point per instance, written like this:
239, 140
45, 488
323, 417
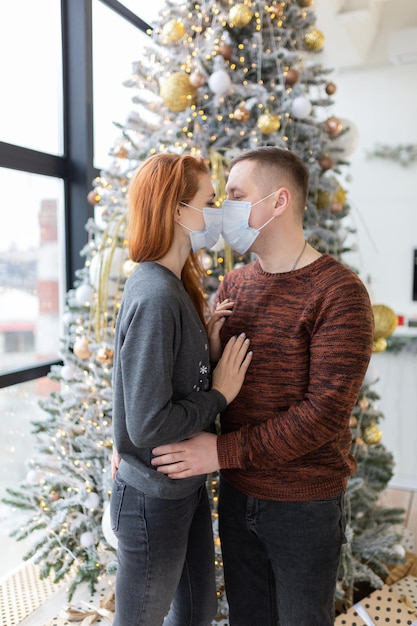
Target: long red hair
158, 186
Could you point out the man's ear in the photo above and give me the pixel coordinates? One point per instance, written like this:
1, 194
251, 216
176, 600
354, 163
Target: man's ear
282, 200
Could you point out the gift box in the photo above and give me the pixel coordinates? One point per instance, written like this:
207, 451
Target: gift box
392, 605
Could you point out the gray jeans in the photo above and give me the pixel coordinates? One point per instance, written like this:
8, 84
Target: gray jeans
165, 559
280, 558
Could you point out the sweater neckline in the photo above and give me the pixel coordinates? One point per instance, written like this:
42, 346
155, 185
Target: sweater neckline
302, 270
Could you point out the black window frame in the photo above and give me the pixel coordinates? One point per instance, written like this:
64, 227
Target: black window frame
76, 166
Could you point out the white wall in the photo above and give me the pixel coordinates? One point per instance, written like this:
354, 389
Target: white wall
382, 103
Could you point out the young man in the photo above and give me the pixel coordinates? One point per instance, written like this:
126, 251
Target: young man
284, 447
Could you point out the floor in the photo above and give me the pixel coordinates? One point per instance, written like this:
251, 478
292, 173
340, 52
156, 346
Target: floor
26, 601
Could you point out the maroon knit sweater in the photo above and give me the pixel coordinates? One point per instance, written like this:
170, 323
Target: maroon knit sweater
286, 436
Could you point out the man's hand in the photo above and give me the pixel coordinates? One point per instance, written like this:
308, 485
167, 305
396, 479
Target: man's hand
192, 457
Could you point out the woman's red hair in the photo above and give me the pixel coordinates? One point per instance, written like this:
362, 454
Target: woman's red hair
158, 186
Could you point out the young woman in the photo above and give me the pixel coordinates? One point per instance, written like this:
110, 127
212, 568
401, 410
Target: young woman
162, 394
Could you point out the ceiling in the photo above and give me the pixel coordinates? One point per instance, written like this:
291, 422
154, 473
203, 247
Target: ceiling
367, 33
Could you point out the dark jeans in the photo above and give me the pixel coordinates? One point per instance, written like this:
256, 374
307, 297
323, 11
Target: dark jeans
165, 558
280, 558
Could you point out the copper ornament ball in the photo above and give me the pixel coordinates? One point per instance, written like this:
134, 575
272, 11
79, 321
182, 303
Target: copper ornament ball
81, 348
93, 197
333, 126
197, 79
225, 51
330, 89
326, 163
241, 114
291, 77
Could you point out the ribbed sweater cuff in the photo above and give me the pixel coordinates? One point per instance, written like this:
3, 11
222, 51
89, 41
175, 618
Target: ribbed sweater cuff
228, 448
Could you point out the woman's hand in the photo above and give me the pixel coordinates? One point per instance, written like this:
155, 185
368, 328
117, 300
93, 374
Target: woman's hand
115, 462
216, 321
229, 373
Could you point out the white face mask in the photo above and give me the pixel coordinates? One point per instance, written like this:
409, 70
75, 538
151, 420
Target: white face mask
236, 230
208, 237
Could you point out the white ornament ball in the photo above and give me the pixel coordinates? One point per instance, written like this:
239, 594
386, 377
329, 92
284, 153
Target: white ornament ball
108, 533
219, 82
83, 294
301, 107
87, 540
92, 500
34, 477
68, 372
399, 549
371, 375
107, 265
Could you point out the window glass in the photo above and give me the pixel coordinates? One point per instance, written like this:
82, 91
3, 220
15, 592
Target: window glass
31, 268
31, 109
112, 63
18, 409
148, 11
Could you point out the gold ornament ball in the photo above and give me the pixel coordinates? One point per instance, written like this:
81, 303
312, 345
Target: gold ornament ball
268, 123
240, 15
385, 321
177, 92
379, 345
128, 267
81, 348
340, 196
353, 421
104, 355
330, 89
173, 30
314, 39
241, 114
304, 4
372, 434
333, 126
323, 199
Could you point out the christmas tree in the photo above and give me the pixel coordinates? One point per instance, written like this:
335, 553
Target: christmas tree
217, 77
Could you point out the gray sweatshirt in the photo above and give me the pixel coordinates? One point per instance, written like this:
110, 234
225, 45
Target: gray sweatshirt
160, 378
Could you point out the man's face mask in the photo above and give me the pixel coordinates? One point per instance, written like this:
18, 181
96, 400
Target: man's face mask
236, 230
208, 237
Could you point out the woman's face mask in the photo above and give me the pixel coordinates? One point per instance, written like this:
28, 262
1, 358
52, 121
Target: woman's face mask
208, 237
236, 230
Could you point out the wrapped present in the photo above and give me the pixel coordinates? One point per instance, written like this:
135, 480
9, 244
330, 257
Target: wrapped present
87, 613
406, 588
383, 606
